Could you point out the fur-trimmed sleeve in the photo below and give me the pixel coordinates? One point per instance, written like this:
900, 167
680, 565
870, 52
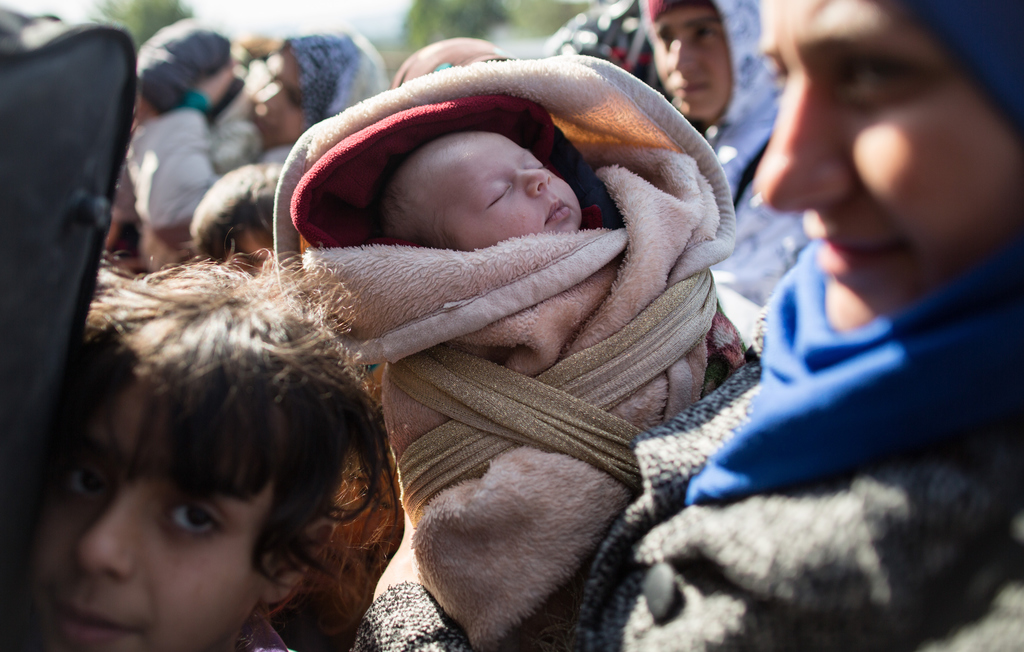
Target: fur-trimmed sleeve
406, 618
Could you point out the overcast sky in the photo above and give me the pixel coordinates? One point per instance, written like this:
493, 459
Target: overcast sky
375, 18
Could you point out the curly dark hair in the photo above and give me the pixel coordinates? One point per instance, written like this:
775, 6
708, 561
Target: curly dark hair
241, 201
248, 384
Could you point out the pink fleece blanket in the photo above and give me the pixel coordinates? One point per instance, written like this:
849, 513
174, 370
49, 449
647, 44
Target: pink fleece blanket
492, 550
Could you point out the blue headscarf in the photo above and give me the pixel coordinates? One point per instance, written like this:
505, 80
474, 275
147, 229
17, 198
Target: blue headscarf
986, 36
831, 402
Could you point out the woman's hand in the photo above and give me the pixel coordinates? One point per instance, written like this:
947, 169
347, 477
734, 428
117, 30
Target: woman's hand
402, 567
216, 85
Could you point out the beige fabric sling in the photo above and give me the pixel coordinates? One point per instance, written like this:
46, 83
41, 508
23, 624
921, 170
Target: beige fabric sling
494, 409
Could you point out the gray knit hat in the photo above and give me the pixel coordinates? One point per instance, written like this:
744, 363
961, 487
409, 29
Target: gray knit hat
176, 58
328, 64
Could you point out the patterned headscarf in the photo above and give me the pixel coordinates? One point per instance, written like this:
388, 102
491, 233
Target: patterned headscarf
327, 65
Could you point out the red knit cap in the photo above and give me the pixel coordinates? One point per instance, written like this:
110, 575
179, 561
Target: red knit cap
655, 8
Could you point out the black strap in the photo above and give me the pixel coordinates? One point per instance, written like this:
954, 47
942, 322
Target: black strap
748, 176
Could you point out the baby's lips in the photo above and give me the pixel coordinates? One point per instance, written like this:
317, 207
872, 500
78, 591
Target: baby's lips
553, 213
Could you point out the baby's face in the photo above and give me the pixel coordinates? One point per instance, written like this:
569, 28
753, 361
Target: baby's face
482, 188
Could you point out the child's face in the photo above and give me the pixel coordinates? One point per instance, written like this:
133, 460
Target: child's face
482, 188
124, 564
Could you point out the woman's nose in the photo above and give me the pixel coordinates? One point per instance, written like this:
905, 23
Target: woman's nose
108, 545
805, 165
266, 93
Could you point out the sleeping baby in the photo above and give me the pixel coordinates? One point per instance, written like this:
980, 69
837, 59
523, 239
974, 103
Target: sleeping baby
527, 342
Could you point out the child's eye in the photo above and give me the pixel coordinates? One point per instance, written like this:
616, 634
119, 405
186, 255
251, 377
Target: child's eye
86, 481
193, 519
705, 32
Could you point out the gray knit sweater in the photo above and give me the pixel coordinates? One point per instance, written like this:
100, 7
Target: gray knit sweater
919, 552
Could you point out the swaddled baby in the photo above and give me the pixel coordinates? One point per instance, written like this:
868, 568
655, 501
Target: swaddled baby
527, 343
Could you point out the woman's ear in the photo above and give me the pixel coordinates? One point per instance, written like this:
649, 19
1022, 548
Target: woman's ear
283, 574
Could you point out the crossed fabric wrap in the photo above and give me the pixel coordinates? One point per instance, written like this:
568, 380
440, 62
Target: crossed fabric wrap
562, 410
518, 374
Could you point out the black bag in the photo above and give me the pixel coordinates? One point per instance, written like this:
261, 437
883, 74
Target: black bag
66, 100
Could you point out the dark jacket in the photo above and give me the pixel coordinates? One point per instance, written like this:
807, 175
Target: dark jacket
923, 551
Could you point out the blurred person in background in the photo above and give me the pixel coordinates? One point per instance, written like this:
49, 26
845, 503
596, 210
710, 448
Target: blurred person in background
234, 221
186, 80
196, 119
612, 31
449, 53
311, 78
707, 57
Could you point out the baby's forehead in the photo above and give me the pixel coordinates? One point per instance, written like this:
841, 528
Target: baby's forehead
458, 147
457, 154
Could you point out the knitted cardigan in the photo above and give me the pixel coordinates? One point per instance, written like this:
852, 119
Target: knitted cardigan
918, 552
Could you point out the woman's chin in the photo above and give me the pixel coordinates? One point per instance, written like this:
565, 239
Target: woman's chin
850, 306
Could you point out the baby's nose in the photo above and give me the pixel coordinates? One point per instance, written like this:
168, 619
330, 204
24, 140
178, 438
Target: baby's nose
537, 180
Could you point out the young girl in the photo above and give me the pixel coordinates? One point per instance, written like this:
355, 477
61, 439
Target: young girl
208, 424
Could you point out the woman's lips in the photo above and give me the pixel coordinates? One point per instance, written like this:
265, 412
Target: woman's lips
261, 123
85, 628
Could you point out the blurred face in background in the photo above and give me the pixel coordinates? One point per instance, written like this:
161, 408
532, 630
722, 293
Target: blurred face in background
906, 170
279, 115
691, 54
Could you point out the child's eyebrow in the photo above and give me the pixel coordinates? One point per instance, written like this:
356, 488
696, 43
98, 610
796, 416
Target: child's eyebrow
102, 443
703, 21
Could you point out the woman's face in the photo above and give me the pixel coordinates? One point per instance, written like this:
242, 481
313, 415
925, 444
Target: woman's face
279, 115
904, 168
691, 53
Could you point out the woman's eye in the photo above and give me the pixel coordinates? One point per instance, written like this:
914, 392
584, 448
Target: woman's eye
780, 74
86, 481
193, 519
870, 79
873, 72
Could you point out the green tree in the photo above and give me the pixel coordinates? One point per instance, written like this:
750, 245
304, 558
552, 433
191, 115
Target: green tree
541, 17
433, 20
143, 18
